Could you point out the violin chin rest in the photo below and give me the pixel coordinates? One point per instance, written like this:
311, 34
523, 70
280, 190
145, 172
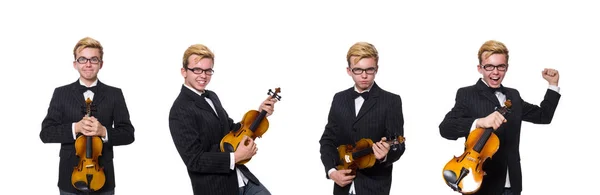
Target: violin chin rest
451, 178
81, 185
228, 147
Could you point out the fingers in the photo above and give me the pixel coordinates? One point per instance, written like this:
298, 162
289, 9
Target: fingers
245, 140
268, 105
549, 72
497, 120
344, 179
494, 120
376, 151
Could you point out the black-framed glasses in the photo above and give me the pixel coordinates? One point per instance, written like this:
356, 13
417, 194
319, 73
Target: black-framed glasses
358, 71
209, 71
93, 60
489, 67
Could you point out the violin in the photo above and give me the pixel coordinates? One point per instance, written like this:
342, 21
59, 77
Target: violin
253, 125
465, 173
88, 176
361, 156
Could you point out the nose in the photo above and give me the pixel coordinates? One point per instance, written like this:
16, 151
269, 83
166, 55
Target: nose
495, 70
363, 74
203, 75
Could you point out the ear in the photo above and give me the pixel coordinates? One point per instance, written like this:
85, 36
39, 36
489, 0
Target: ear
100, 65
479, 69
74, 65
183, 72
348, 71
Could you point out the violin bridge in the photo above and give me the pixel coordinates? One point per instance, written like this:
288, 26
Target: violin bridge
89, 166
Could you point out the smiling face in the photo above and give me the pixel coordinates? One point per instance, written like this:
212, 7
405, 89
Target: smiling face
493, 62
199, 76
92, 63
493, 69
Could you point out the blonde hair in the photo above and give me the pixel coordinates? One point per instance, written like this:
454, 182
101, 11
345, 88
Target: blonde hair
492, 47
87, 42
197, 49
362, 50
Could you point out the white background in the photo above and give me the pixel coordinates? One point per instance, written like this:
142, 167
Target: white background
428, 50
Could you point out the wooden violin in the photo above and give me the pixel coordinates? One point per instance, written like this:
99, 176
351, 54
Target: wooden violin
88, 176
253, 125
465, 173
360, 155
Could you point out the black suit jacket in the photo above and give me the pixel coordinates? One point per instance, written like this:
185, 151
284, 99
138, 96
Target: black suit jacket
66, 107
477, 101
379, 116
197, 132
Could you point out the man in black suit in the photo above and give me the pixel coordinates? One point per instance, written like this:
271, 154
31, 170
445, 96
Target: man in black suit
475, 108
65, 120
363, 111
198, 122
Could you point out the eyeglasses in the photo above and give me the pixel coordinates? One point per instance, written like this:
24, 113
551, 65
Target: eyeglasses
200, 71
358, 71
93, 60
489, 67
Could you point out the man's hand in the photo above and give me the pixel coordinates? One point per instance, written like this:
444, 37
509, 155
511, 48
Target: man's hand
340, 177
244, 152
90, 126
493, 120
268, 105
381, 149
550, 75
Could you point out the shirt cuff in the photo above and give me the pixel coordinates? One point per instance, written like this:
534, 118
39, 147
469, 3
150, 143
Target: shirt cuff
384, 158
73, 130
474, 125
232, 161
330, 171
554, 88
105, 138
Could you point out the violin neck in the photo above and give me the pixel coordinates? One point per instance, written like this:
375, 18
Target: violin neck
487, 133
88, 147
369, 150
482, 140
362, 153
257, 121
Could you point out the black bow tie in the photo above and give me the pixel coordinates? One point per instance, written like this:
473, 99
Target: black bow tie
205, 95
365, 95
83, 89
499, 89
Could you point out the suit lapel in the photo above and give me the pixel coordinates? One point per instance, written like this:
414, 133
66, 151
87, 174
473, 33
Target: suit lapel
100, 93
346, 105
218, 107
199, 102
77, 95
